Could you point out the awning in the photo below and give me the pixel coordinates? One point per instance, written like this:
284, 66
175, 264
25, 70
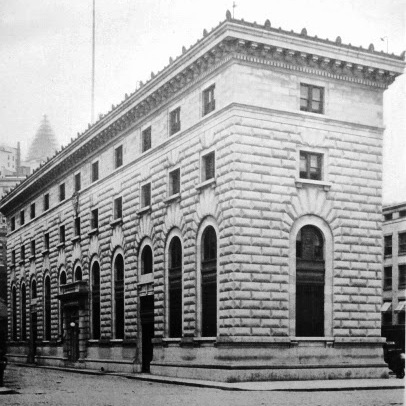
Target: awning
386, 307
400, 307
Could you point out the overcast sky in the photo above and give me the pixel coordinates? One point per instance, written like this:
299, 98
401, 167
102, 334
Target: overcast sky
45, 56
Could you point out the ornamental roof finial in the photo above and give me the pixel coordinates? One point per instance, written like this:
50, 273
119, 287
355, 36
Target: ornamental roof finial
267, 24
228, 15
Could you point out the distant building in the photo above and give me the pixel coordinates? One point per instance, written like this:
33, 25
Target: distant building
223, 222
43, 146
394, 273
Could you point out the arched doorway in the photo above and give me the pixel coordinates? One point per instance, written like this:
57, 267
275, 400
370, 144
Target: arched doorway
310, 281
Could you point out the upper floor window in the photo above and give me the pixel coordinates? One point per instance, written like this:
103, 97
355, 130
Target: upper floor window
22, 253
94, 220
62, 233
146, 195
402, 213
388, 245
77, 182
146, 139
32, 210
146, 260
388, 216
311, 165
32, 247
118, 156
77, 226
22, 217
62, 192
46, 201
208, 166
174, 121
174, 182
95, 171
209, 103
311, 98
402, 243
13, 223
46, 242
309, 244
387, 278
402, 276
13, 257
118, 208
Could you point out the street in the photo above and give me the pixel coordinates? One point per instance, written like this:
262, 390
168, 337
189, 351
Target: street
37, 386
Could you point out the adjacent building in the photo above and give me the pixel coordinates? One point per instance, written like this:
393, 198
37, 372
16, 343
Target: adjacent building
394, 273
223, 222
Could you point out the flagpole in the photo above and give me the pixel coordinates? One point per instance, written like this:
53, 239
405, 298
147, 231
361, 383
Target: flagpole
93, 53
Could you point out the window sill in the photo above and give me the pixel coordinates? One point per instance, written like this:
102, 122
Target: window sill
22, 262
116, 222
207, 183
75, 239
45, 252
12, 266
173, 198
147, 278
93, 231
60, 245
32, 258
144, 210
310, 182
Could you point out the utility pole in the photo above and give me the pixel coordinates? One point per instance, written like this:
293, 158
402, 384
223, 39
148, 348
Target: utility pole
93, 54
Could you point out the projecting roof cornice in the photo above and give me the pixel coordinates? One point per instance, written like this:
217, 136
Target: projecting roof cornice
230, 40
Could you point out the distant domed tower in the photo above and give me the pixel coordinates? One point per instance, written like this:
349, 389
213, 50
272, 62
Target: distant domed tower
43, 146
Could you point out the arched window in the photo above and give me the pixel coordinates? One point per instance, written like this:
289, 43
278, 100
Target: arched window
175, 288
14, 309
78, 274
95, 300
62, 281
33, 289
146, 260
23, 312
119, 296
47, 308
209, 282
310, 277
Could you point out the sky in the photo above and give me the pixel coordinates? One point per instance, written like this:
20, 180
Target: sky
45, 56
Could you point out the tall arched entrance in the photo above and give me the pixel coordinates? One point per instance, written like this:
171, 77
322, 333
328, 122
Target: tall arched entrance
310, 280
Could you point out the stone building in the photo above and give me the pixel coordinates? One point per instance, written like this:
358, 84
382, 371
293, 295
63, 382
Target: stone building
222, 222
394, 273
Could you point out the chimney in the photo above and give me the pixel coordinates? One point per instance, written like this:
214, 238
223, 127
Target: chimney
18, 169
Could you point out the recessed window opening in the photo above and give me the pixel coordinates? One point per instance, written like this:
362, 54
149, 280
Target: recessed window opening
175, 288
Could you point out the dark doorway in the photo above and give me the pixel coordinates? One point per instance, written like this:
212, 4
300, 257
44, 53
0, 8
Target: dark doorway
147, 330
72, 329
310, 283
33, 337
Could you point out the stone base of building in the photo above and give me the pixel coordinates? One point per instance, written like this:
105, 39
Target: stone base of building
234, 360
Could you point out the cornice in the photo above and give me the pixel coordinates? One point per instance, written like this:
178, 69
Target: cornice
230, 40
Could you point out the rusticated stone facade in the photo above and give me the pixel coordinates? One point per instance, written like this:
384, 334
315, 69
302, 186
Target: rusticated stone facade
269, 182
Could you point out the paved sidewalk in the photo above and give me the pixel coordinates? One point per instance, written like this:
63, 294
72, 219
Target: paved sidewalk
287, 386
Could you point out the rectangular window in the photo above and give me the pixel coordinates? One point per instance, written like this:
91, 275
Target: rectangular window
146, 195
311, 98
388, 216
118, 156
95, 171
13, 257
311, 165
402, 277
402, 213
387, 278
118, 208
146, 139
62, 192
174, 182
174, 121
208, 166
46, 201
388, 245
402, 243
94, 220
13, 223
209, 104
46, 242
33, 248
22, 217
62, 234
32, 210
22, 254
386, 318
77, 182
76, 226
